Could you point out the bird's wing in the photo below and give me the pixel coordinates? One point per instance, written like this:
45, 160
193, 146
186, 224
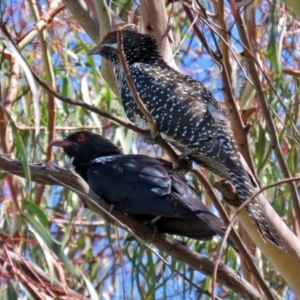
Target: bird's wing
189, 197
185, 113
223, 148
136, 184
148, 187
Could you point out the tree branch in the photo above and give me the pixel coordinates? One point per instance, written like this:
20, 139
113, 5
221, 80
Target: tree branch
264, 106
50, 176
155, 19
36, 278
234, 236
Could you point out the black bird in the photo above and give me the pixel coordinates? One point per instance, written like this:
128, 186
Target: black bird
186, 114
142, 186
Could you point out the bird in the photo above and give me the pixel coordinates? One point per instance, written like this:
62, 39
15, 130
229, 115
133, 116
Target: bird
187, 116
143, 187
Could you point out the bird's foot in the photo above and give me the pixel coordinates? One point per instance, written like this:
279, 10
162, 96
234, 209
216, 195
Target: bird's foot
180, 242
153, 138
228, 191
152, 221
152, 224
183, 165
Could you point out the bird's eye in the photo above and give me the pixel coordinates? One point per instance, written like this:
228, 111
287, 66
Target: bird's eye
80, 138
110, 38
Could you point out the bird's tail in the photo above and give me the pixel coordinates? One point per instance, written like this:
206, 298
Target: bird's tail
265, 227
255, 209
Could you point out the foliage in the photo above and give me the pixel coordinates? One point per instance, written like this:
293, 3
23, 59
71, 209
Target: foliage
49, 226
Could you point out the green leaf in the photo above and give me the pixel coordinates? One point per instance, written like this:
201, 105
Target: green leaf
273, 47
19, 144
11, 291
68, 229
91, 289
36, 211
45, 236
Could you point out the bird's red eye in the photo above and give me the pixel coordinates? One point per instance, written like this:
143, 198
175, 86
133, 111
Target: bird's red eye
110, 38
80, 138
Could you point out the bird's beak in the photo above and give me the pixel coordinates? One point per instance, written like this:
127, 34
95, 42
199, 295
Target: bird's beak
60, 143
95, 50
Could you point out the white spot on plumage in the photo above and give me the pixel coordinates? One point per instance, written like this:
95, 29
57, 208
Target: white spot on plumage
200, 125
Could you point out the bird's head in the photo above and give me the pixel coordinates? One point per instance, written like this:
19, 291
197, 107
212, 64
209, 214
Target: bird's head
84, 146
137, 47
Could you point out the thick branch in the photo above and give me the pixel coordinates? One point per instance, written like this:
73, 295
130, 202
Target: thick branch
156, 23
234, 236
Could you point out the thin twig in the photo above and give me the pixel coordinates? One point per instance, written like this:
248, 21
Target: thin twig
38, 277
265, 107
236, 122
91, 108
142, 107
275, 92
209, 24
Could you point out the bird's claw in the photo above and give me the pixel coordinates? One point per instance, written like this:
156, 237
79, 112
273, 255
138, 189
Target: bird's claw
180, 242
151, 222
153, 138
183, 165
228, 191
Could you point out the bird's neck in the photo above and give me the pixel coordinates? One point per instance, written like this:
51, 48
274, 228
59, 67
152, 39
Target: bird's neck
148, 55
81, 169
82, 165
144, 57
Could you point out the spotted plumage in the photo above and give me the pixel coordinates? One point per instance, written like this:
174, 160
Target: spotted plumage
186, 114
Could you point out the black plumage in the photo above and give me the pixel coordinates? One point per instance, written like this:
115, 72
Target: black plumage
186, 114
142, 186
